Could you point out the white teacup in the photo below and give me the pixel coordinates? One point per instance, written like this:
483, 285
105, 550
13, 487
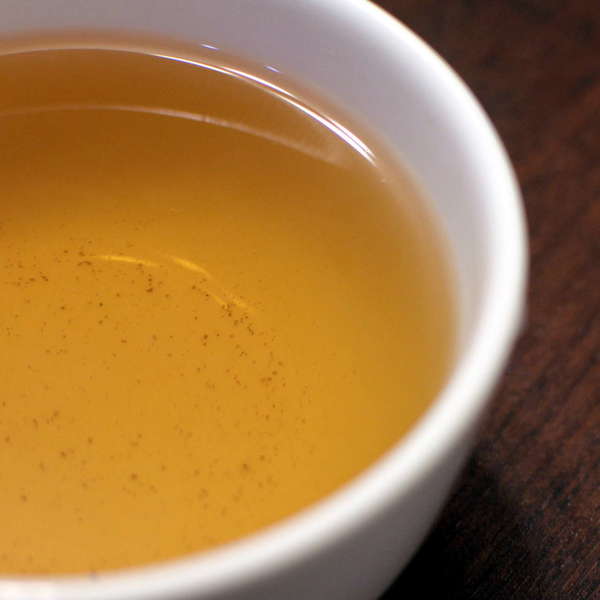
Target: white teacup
353, 543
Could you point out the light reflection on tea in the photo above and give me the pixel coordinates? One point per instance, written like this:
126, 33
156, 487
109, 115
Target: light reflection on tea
218, 305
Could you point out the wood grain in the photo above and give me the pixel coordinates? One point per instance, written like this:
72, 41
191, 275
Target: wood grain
524, 520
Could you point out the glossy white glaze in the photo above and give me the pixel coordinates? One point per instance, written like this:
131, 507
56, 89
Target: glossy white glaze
352, 544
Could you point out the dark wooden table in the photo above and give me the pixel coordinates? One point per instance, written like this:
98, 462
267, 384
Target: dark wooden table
524, 520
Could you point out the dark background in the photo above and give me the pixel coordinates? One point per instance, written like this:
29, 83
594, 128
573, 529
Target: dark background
524, 520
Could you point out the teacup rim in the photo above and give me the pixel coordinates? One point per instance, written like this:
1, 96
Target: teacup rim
450, 418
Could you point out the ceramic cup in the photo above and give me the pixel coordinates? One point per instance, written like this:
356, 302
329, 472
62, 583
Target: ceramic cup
352, 544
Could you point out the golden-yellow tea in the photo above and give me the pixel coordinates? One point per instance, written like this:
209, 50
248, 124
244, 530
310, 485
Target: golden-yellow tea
217, 306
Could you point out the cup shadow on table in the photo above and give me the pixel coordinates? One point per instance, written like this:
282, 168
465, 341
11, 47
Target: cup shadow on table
466, 554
